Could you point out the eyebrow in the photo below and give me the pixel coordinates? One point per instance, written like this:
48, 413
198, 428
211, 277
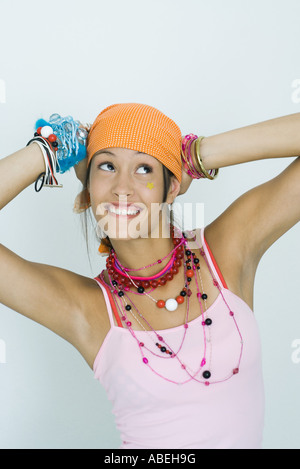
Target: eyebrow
111, 153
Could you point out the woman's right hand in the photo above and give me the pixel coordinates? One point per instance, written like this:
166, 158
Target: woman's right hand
81, 170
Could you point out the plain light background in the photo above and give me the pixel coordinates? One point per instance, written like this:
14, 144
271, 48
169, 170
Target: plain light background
210, 66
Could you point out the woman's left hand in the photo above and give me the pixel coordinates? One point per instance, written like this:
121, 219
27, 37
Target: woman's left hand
185, 181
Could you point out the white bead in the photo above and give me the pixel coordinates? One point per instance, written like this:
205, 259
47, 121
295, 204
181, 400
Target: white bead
171, 304
46, 131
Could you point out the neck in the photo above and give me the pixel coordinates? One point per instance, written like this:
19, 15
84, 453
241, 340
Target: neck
140, 253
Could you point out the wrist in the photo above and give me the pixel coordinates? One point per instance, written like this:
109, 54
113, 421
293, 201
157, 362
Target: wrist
192, 158
204, 153
36, 155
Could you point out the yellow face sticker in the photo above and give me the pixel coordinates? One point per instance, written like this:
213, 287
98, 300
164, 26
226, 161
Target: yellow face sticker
150, 185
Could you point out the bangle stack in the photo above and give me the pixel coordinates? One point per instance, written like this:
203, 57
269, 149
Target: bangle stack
194, 166
63, 144
47, 178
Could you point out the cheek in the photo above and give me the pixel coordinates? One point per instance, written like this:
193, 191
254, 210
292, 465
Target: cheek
151, 195
153, 187
98, 194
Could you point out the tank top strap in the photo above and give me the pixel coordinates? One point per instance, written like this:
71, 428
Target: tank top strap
210, 258
110, 304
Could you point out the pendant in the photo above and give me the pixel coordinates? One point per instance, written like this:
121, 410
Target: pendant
171, 304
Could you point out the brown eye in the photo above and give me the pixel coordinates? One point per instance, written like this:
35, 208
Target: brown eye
102, 166
145, 167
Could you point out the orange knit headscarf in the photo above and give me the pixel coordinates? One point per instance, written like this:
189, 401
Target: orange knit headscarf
137, 127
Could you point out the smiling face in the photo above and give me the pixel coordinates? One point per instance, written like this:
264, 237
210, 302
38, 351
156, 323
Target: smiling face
126, 192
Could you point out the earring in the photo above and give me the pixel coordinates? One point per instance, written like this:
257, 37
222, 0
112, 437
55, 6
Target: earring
105, 245
103, 249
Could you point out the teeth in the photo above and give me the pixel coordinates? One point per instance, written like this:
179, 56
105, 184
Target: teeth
123, 211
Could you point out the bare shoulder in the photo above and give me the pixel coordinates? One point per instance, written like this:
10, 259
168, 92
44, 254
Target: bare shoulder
93, 321
89, 321
238, 271
241, 235
69, 304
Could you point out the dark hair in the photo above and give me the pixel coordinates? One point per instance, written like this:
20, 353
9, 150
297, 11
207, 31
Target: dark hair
167, 177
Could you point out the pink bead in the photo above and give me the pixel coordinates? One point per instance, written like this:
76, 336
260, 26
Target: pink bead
128, 323
203, 323
231, 313
206, 383
145, 360
123, 318
189, 292
160, 337
203, 362
126, 288
186, 326
183, 366
142, 344
236, 371
198, 295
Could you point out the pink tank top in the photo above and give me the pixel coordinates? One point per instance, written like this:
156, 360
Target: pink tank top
151, 412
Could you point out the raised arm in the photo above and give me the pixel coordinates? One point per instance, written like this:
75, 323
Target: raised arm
263, 214
51, 296
18, 171
275, 138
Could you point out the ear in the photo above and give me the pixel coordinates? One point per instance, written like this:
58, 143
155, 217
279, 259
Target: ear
82, 201
174, 190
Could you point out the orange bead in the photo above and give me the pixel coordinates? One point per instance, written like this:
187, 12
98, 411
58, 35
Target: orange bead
52, 138
180, 299
190, 273
160, 304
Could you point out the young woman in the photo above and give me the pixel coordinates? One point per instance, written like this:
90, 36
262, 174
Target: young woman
168, 327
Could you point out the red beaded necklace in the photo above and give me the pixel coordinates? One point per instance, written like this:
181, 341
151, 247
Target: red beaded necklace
124, 281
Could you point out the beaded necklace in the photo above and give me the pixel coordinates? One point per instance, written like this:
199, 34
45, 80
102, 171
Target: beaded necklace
121, 283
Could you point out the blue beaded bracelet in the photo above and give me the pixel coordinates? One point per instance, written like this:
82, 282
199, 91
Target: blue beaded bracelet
70, 142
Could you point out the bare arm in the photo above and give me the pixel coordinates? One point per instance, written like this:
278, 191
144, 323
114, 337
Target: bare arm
260, 216
274, 138
49, 295
18, 171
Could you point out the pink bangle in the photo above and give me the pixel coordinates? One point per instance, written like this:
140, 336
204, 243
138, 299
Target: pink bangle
186, 157
189, 163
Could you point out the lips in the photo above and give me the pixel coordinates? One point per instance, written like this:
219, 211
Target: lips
125, 210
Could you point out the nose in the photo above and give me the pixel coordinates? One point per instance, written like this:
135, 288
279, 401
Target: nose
123, 186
